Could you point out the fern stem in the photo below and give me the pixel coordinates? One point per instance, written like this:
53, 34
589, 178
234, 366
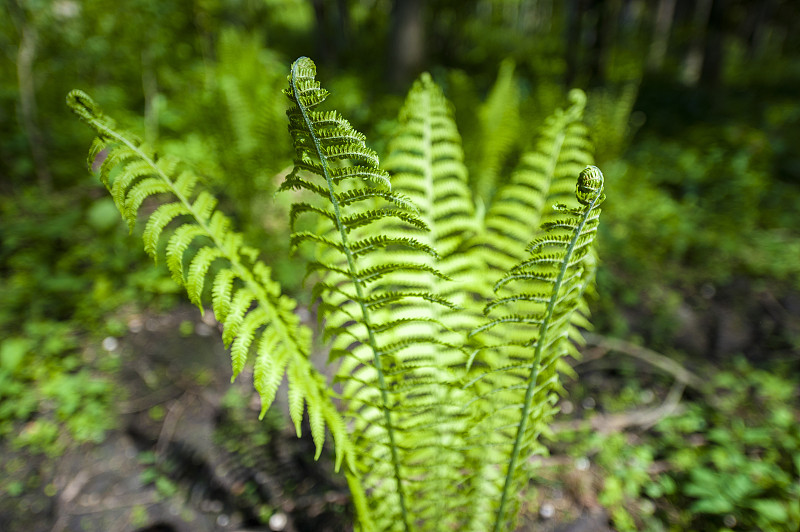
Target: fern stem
537, 359
351, 263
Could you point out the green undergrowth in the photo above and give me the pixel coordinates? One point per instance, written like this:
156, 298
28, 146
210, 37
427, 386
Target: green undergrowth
709, 196
727, 459
708, 204
64, 278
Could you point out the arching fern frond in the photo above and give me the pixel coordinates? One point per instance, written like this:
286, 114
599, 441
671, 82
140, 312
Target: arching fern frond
533, 308
426, 160
200, 248
544, 177
427, 164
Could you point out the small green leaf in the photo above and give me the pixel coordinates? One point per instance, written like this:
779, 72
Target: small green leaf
12, 351
714, 505
775, 511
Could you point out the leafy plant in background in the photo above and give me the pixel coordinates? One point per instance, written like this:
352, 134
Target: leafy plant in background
443, 397
730, 461
59, 400
56, 295
63, 281
244, 147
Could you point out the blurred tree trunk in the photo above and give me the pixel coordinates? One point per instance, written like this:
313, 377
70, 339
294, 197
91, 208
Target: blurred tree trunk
332, 29
755, 27
593, 37
406, 42
28, 113
662, 26
693, 63
602, 30
713, 55
574, 37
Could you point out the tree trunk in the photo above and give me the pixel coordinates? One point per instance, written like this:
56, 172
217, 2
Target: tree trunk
693, 64
574, 37
332, 29
661, 30
28, 113
599, 46
711, 71
755, 27
406, 42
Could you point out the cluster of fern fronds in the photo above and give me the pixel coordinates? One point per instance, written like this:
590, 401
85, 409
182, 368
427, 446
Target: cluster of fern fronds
448, 323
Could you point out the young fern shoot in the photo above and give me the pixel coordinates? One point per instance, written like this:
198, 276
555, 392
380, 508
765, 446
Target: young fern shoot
538, 295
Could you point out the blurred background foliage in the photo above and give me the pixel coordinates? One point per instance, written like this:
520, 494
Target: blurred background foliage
694, 110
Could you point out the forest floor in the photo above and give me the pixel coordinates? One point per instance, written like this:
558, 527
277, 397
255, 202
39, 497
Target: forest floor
189, 453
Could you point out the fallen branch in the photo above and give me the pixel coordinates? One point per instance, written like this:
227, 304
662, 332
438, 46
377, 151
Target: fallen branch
666, 364
174, 413
642, 418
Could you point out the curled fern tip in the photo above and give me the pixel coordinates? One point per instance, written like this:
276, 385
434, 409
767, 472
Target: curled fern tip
81, 103
590, 185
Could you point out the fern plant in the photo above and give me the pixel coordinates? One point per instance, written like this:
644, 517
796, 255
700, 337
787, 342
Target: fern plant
447, 331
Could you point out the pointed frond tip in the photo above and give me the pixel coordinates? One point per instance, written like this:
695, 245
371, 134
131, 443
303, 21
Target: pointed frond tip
83, 105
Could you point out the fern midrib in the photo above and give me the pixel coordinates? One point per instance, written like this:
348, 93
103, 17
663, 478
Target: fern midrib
537, 356
427, 156
558, 143
351, 264
430, 199
242, 272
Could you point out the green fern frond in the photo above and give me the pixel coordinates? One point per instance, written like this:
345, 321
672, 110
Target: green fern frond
427, 165
534, 308
500, 127
244, 298
378, 276
544, 177
426, 161
610, 116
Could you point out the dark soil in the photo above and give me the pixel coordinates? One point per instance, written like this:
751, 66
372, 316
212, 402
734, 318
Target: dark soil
182, 459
